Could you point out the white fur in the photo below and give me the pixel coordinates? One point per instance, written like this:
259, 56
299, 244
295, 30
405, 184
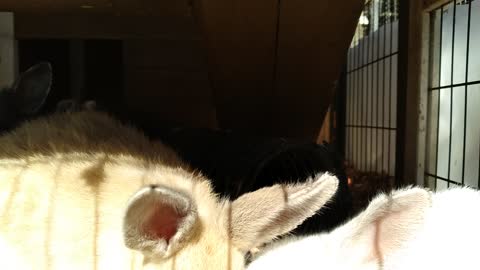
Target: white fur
81, 191
397, 232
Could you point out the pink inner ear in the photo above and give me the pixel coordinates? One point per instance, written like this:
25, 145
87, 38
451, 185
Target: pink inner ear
162, 223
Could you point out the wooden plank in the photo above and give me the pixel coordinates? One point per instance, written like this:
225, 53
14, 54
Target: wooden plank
325, 134
7, 49
429, 5
49, 6
240, 43
103, 26
423, 103
313, 40
106, 7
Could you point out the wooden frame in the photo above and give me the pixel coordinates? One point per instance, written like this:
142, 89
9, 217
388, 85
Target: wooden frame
452, 167
416, 35
429, 5
101, 26
8, 59
283, 69
423, 100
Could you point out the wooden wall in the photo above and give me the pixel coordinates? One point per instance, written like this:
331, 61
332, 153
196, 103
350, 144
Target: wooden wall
265, 67
7, 49
273, 63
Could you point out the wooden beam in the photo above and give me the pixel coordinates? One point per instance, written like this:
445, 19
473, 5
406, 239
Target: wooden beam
49, 6
313, 40
423, 103
7, 49
106, 7
240, 42
411, 92
78, 26
429, 5
273, 63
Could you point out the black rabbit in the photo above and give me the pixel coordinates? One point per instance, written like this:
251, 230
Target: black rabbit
26, 96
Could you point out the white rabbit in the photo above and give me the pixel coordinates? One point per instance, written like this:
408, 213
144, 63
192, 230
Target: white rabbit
82, 191
408, 229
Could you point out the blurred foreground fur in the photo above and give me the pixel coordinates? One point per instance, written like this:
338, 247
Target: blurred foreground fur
410, 228
83, 191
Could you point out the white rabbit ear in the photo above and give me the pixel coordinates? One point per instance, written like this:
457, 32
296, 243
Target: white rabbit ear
388, 222
158, 220
262, 215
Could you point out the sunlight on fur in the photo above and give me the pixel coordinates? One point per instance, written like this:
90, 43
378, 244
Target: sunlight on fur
82, 191
407, 229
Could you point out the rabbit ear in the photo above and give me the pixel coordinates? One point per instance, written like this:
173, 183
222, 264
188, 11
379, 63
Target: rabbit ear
262, 215
158, 220
31, 89
90, 105
66, 105
388, 222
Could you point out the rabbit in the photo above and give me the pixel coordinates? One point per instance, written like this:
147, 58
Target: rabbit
70, 105
26, 96
82, 191
412, 228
